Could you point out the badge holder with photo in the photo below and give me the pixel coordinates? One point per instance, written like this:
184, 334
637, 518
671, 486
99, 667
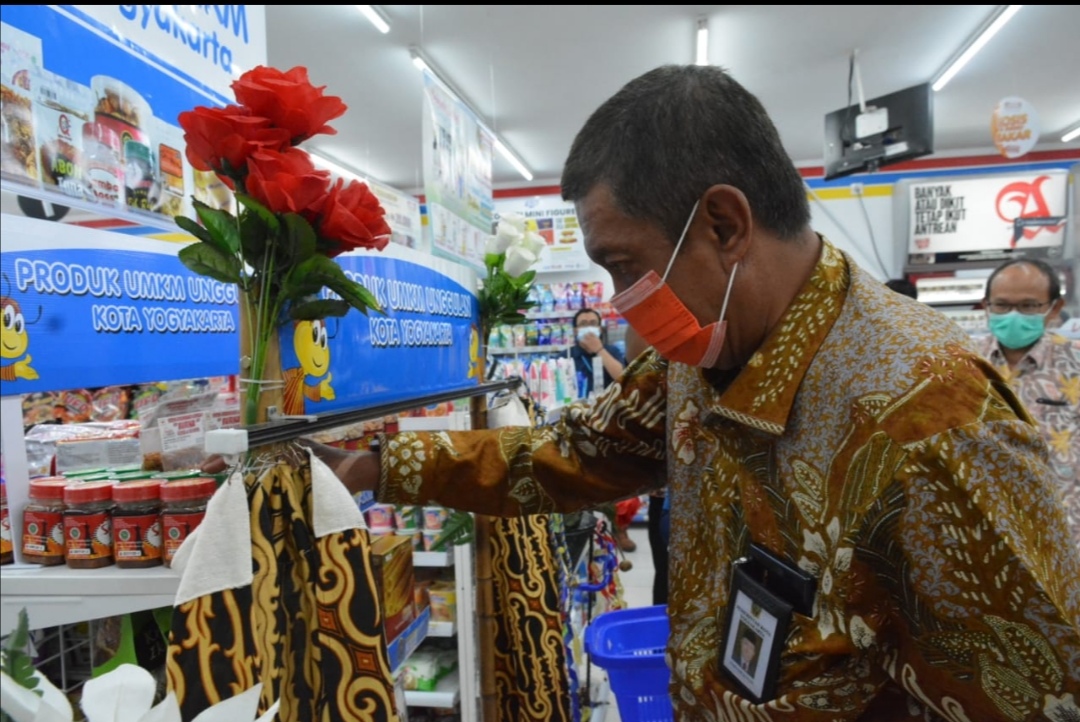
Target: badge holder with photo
764, 592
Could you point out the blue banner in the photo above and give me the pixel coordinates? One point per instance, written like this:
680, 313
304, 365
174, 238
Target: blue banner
427, 342
85, 308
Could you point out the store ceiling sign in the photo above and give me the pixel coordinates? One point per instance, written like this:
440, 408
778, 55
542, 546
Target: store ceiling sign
557, 223
92, 308
1014, 127
428, 340
966, 219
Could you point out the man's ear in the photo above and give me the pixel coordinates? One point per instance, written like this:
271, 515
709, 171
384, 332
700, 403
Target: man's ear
728, 221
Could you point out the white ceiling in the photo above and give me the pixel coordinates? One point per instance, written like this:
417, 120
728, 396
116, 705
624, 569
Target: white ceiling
536, 72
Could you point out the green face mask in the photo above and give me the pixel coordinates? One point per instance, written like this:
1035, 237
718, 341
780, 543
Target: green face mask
1017, 330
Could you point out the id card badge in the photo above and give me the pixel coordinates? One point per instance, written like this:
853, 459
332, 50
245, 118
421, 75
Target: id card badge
754, 635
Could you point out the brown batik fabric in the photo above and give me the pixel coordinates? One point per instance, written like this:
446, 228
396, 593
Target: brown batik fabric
309, 627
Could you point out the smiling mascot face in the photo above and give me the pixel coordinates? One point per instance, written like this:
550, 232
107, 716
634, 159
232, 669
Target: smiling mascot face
14, 339
309, 341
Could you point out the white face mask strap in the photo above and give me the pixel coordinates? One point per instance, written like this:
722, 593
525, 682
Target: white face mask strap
727, 293
693, 212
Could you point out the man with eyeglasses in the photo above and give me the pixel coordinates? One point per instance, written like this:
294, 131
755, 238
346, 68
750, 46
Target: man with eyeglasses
1042, 367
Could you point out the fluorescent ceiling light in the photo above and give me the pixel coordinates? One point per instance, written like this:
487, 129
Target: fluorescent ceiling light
327, 164
1071, 134
1003, 14
374, 17
422, 64
702, 56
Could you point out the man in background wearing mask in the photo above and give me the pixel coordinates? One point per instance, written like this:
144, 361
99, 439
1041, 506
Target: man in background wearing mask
1042, 367
588, 330
797, 406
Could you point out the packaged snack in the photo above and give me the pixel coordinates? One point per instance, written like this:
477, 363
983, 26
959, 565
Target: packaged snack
173, 172
576, 296
74, 407
381, 515
561, 298
421, 671
405, 518
532, 334
443, 597
392, 564
548, 300
61, 110
519, 335
430, 537
38, 409
20, 56
506, 336
110, 404
415, 537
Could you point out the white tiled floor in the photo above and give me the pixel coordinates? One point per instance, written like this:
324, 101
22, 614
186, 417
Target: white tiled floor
637, 588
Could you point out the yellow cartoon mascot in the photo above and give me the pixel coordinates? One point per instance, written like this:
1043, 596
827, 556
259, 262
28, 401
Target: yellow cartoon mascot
476, 359
14, 340
307, 381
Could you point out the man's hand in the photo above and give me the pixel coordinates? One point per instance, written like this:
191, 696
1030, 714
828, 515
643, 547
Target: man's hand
591, 344
358, 470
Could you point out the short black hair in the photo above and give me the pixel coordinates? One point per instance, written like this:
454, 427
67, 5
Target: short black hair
583, 311
670, 134
1053, 282
903, 286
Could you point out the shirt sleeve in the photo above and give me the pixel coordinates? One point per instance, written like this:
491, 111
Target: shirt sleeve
603, 451
989, 586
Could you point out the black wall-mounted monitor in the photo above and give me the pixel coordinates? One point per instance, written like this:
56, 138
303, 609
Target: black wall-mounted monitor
894, 128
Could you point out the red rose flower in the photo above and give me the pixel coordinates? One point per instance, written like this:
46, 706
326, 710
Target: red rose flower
219, 136
289, 100
351, 217
286, 182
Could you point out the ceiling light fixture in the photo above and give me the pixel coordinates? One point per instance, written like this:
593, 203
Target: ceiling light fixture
421, 63
702, 55
375, 17
989, 29
1071, 135
327, 164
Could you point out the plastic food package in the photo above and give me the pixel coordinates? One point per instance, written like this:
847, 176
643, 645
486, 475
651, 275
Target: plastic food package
110, 404
20, 56
421, 671
443, 597
42, 440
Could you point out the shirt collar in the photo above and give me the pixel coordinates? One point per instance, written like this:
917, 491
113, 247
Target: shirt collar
762, 395
1036, 359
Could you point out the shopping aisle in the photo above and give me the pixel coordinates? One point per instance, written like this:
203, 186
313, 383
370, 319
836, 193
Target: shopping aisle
637, 588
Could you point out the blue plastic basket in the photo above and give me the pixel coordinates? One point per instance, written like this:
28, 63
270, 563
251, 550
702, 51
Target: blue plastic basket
630, 644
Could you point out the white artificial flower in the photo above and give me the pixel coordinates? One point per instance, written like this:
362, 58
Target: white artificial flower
513, 220
505, 236
518, 260
533, 242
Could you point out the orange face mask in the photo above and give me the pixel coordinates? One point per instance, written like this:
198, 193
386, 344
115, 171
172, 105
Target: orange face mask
651, 307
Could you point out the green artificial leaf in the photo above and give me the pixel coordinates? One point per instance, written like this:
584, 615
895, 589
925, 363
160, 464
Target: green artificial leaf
493, 260
322, 308
22, 671
253, 237
300, 237
525, 279
207, 260
192, 227
21, 636
263, 213
458, 529
15, 662
319, 271
221, 226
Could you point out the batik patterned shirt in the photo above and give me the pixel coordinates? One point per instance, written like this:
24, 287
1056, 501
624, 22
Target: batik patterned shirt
1047, 380
867, 442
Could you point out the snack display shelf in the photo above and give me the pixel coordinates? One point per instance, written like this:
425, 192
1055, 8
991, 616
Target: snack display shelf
58, 595
548, 315
446, 694
441, 629
558, 348
433, 559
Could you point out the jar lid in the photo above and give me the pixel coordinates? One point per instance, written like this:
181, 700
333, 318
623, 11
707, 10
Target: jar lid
185, 489
83, 473
88, 491
132, 476
141, 490
102, 134
49, 488
171, 475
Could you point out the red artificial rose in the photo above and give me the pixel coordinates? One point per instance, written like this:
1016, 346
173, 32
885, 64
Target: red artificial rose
222, 139
289, 100
286, 182
351, 217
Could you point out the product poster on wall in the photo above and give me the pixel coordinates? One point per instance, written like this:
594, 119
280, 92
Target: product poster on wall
457, 176
960, 219
556, 222
430, 323
402, 215
90, 96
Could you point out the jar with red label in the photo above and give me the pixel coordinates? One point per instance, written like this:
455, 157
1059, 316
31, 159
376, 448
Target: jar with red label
88, 525
137, 524
43, 522
183, 506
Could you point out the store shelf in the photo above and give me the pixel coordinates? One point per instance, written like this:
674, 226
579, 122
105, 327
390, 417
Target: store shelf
548, 315
433, 559
559, 348
58, 595
406, 643
447, 693
441, 629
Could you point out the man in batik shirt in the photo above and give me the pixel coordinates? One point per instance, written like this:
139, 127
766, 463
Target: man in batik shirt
848, 430
1042, 367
